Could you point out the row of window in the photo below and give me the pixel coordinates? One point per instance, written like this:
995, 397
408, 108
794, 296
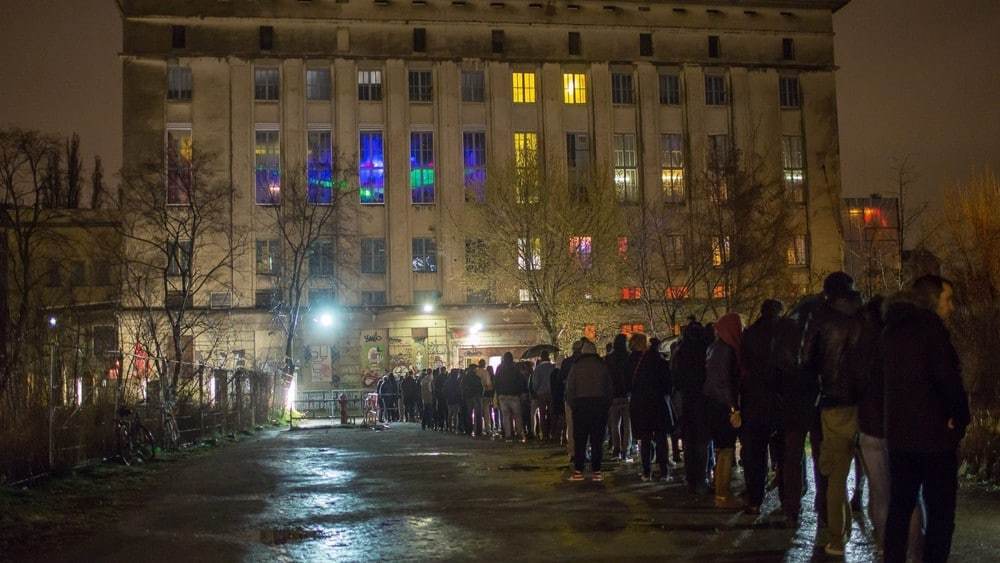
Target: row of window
267, 82
59, 271
574, 42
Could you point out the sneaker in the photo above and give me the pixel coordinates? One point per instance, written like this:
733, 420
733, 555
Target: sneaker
576, 476
644, 477
597, 476
834, 550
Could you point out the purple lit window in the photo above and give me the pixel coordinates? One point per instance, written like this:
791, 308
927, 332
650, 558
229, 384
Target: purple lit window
320, 168
267, 167
371, 169
422, 167
474, 159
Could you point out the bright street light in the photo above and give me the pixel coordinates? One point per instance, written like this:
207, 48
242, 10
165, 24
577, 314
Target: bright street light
476, 328
325, 320
52, 322
428, 307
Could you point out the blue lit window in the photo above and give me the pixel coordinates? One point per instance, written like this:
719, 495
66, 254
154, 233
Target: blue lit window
474, 159
371, 169
267, 167
320, 167
422, 167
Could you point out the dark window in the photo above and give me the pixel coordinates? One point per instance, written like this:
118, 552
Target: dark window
373, 298
318, 84
373, 256
479, 297
713, 46
574, 43
788, 90
264, 299
646, 44
175, 299
424, 255
266, 82
788, 49
101, 271
622, 88
475, 256
266, 38
578, 160
421, 86
473, 86
670, 89
321, 297
715, 89
424, 297
369, 85
178, 83
77, 273
178, 36
268, 257
419, 40
53, 274
179, 257
321, 258
497, 41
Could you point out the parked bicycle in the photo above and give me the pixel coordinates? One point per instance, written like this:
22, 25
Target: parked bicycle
171, 433
135, 441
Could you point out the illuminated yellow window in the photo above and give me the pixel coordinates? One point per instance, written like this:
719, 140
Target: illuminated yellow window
524, 87
574, 88
525, 149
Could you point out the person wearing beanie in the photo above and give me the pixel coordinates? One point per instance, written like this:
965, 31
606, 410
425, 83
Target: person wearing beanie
588, 390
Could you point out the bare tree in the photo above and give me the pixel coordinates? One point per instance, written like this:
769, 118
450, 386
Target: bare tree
97, 188
534, 240
74, 172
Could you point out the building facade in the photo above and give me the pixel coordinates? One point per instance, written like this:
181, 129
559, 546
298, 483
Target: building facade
417, 98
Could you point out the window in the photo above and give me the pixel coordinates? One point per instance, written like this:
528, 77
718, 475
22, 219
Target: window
578, 160
525, 296
370, 85
371, 168
473, 86
321, 258
524, 87
53, 273
422, 167
475, 256
266, 33
526, 158
622, 88
626, 168
645, 44
178, 37
793, 166
788, 49
719, 291
676, 292
179, 257
268, 257
575, 88
101, 270
373, 298
581, 248
670, 89
426, 297
713, 46
264, 299
623, 248
788, 91
178, 83
672, 171
373, 256
419, 40
529, 257
673, 250
424, 255
319, 166
720, 251
321, 296
267, 167
573, 40
715, 89
474, 160
318, 84
421, 86
718, 166
266, 82
180, 180
497, 41
629, 329
797, 251
631, 293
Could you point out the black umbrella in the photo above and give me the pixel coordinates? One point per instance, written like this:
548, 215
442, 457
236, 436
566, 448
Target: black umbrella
537, 350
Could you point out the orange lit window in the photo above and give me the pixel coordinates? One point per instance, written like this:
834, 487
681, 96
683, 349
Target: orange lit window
631, 293
676, 292
629, 329
590, 332
719, 291
623, 246
874, 215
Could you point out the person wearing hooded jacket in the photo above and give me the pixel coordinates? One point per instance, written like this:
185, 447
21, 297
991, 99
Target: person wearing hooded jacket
560, 384
687, 366
650, 412
510, 385
588, 390
723, 368
619, 423
926, 414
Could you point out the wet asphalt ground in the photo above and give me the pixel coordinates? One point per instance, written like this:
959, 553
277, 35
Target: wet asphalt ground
405, 494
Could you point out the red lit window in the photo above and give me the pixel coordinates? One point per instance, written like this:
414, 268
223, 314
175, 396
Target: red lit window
581, 247
622, 246
631, 293
874, 215
676, 292
719, 291
590, 332
629, 329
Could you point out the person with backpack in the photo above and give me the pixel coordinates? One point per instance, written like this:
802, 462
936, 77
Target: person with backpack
687, 367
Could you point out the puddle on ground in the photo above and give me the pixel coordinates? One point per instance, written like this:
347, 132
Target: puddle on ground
280, 536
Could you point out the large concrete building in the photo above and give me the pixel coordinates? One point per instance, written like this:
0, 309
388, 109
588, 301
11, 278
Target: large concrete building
420, 95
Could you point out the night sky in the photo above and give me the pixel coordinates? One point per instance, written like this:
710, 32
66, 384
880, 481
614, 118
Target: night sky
917, 77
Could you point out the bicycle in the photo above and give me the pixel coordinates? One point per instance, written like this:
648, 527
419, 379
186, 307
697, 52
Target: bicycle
171, 433
135, 442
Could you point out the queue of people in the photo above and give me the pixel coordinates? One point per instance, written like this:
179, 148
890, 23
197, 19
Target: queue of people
875, 384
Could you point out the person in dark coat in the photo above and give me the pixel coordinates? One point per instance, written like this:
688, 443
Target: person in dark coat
687, 367
439, 381
588, 390
472, 398
759, 402
619, 426
926, 414
649, 408
723, 371
453, 395
564, 369
411, 396
510, 385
